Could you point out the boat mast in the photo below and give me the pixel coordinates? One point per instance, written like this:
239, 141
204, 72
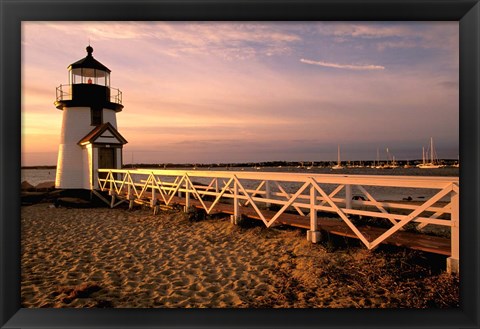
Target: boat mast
338, 160
431, 150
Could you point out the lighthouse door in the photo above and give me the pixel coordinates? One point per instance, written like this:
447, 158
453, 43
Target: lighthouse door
106, 159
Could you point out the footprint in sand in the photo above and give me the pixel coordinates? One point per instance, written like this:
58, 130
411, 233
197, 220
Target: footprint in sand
212, 277
166, 272
203, 294
240, 284
130, 285
178, 283
230, 299
213, 289
147, 286
194, 287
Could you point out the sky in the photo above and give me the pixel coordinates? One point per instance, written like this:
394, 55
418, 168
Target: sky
225, 92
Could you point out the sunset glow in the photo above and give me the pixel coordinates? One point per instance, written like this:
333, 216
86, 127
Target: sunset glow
210, 92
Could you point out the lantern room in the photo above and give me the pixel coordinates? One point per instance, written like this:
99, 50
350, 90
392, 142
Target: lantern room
89, 71
89, 85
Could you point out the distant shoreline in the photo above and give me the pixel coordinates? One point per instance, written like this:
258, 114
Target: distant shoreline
255, 164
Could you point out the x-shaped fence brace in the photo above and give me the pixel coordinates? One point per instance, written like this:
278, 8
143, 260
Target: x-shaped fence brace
156, 185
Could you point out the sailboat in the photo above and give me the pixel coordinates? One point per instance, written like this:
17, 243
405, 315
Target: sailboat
393, 164
423, 158
378, 165
433, 164
338, 165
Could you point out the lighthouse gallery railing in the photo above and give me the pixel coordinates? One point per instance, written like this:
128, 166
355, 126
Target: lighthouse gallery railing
306, 194
64, 93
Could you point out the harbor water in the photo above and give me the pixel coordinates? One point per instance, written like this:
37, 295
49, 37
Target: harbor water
36, 176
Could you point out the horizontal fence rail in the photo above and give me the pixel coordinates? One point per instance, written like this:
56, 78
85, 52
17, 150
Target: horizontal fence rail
273, 194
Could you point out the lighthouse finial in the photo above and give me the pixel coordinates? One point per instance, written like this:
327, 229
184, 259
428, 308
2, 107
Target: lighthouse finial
89, 50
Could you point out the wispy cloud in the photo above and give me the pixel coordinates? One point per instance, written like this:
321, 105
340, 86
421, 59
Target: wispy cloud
368, 31
344, 66
394, 35
225, 39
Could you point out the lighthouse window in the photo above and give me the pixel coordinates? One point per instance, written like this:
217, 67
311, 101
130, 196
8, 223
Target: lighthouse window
76, 76
96, 114
89, 76
101, 80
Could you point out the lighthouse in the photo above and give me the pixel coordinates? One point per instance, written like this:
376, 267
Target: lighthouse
89, 138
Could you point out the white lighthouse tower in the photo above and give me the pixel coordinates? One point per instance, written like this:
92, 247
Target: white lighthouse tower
89, 138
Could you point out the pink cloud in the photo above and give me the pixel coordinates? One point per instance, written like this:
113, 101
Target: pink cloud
344, 66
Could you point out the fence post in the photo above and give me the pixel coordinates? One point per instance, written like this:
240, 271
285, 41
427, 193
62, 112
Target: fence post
131, 197
111, 192
110, 180
179, 193
348, 196
152, 200
112, 200
268, 193
95, 183
453, 262
313, 235
187, 197
235, 218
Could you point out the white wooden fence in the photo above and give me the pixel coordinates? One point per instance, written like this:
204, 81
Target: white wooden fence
307, 194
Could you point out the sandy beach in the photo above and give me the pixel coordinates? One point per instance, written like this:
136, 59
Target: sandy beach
102, 257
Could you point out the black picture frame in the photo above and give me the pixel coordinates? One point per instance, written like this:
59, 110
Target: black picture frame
13, 12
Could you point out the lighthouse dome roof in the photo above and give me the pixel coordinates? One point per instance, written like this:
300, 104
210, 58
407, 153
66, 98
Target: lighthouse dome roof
89, 62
